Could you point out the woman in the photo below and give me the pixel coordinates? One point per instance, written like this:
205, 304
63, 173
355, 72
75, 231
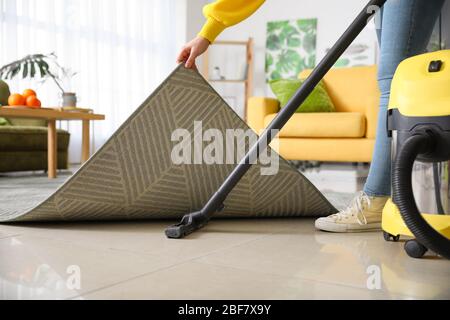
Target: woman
406, 28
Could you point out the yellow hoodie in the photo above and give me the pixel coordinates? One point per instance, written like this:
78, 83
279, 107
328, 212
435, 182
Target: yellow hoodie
226, 13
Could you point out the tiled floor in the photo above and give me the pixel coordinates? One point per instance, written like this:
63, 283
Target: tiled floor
242, 259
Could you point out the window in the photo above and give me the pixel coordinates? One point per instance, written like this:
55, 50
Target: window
121, 49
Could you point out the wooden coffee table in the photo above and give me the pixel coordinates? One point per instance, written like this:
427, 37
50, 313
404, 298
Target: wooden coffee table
53, 115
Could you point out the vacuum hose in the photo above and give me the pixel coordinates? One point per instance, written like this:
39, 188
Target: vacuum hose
404, 196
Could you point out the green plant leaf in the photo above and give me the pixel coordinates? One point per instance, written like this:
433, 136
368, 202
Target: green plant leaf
273, 42
15, 71
269, 61
301, 65
311, 61
42, 69
294, 42
6, 72
287, 32
309, 43
33, 69
307, 25
288, 61
343, 62
45, 66
275, 75
276, 25
25, 70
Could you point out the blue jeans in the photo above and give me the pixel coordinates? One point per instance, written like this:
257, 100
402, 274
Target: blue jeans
406, 28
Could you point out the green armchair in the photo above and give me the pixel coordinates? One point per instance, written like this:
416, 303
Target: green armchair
23, 146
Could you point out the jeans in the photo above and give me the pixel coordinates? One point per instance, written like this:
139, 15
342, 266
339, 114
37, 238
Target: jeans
406, 28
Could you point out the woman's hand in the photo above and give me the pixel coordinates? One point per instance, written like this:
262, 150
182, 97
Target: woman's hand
192, 50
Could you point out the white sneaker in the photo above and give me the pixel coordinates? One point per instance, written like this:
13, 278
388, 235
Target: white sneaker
364, 214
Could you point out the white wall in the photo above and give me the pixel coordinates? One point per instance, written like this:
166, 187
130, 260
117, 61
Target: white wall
333, 18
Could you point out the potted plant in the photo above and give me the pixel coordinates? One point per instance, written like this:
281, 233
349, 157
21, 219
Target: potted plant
39, 66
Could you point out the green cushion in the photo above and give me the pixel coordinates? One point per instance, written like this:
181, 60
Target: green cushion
23, 122
14, 138
12, 161
4, 95
318, 101
4, 122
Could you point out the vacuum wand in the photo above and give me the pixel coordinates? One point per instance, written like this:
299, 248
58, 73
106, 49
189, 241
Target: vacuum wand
194, 221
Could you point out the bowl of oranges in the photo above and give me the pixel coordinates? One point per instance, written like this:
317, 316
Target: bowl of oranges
28, 99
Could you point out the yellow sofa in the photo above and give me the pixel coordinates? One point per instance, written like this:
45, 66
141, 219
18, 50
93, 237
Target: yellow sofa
347, 135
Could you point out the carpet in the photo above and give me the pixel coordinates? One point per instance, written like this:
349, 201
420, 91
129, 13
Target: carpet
134, 177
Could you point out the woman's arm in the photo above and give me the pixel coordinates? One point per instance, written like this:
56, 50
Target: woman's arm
220, 15
226, 13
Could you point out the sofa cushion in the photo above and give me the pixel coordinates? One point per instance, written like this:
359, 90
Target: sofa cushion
323, 125
16, 138
325, 149
352, 89
318, 100
4, 122
14, 161
25, 122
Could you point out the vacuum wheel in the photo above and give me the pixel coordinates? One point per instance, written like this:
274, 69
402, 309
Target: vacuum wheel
390, 237
414, 249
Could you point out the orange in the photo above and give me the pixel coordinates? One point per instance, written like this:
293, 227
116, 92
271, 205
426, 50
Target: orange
28, 93
33, 102
16, 100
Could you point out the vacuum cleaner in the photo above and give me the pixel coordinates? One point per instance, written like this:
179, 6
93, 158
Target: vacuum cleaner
196, 220
419, 124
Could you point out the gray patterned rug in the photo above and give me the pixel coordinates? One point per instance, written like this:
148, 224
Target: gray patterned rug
133, 176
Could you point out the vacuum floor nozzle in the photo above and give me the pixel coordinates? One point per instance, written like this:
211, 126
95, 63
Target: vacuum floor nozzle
189, 224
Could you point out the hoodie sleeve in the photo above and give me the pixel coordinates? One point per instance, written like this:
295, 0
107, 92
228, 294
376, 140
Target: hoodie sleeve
226, 13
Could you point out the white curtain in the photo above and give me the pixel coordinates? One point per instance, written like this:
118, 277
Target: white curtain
121, 49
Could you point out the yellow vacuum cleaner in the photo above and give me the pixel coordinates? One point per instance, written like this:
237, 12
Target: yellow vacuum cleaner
419, 124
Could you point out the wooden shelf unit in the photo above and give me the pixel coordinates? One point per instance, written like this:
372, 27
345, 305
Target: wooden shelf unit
248, 82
